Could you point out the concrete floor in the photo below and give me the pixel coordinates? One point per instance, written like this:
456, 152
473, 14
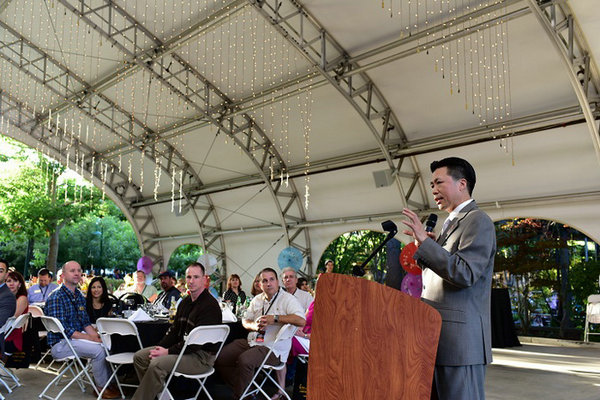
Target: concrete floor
541, 369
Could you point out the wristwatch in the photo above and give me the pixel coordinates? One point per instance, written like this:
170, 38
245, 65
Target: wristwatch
276, 318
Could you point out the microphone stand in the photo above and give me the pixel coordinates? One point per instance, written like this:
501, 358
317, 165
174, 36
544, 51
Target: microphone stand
388, 226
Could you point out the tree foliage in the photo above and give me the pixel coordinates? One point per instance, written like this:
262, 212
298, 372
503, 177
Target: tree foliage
353, 248
40, 206
537, 260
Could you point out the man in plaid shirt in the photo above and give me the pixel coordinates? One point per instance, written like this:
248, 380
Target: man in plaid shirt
67, 304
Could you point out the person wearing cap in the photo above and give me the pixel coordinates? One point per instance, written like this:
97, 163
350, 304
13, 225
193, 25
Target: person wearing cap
169, 291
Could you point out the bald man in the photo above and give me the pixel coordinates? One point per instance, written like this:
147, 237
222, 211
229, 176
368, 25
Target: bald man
67, 304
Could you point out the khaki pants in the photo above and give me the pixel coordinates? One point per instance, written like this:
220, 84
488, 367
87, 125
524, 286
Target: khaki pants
153, 373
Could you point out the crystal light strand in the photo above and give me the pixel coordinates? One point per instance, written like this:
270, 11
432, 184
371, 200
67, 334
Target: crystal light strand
180, 188
173, 190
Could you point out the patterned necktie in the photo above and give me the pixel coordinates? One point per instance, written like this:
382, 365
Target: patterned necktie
446, 223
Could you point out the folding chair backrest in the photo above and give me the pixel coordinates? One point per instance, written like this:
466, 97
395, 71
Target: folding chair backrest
18, 323
53, 325
120, 326
285, 333
207, 334
116, 325
7, 325
36, 311
593, 309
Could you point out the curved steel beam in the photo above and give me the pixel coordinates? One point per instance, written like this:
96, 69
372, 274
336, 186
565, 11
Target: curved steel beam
305, 33
115, 184
187, 83
47, 71
557, 21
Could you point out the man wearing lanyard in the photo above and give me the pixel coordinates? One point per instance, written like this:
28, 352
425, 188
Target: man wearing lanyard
39, 292
267, 313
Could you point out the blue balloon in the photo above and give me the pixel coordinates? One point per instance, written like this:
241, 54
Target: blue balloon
290, 257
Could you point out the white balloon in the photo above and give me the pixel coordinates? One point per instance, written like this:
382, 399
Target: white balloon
209, 261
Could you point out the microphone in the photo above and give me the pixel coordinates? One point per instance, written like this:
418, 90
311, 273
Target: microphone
430, 223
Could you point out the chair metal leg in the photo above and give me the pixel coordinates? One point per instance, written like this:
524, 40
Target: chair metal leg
5, 385
281, 390
202, 387
8, 374
66, 367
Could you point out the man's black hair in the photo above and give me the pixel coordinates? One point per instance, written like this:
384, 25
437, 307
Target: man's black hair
457, 169
268, 269
197, 264
45, 271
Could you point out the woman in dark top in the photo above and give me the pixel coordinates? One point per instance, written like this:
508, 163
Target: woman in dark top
97, 302
234, 290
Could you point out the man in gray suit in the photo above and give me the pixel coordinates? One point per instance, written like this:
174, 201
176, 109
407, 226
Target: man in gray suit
8, 302
457, 276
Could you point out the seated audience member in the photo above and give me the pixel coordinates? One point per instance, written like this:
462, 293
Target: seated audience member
16, 284
256, 289
301, 339
153, 364
140, 287
8, 303
329, 266
39, 292
68, 305
290, 279
234, 291
169, 291
303, 284
267, 313
97, 302
300, 345
181, 285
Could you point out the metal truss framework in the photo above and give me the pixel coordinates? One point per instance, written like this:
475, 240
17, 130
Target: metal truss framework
47, 71
341, 66
17, 117
557, 20
123, 31
312, 40
213, 107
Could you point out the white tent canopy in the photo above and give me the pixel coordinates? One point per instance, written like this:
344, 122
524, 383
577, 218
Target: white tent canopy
247, 126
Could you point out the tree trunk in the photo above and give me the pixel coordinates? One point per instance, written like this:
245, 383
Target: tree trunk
28, 257
53, 243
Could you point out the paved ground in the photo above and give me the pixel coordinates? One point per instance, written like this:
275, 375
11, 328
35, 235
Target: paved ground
542, 370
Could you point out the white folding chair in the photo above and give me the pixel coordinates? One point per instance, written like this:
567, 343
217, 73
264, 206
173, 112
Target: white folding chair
37, 312
285, 333
592, 315
107, 327
198, 336
71, 363
5, 374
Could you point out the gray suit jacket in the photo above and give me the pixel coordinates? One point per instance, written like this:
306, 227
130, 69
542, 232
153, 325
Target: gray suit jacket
8, 304
457, 281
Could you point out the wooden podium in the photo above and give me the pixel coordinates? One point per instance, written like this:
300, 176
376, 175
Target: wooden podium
370, 341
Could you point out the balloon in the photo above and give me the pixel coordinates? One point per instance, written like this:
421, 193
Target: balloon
290, 257
407, 261
209, 261
145, 264
412, 285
